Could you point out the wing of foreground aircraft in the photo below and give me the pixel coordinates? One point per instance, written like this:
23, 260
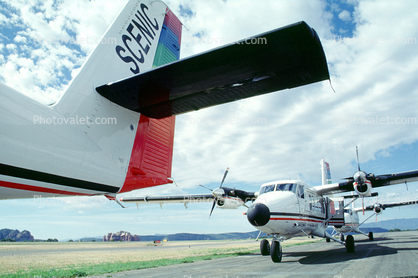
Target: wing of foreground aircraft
285, 58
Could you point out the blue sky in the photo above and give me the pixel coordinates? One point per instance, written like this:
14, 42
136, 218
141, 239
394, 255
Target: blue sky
371, 48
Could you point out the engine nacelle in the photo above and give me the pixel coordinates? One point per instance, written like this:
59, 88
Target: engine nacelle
229, 203
364, 189
378, 208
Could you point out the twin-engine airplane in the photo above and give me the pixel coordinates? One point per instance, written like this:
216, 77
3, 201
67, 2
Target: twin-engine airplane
352, 222
112, 130
291, 208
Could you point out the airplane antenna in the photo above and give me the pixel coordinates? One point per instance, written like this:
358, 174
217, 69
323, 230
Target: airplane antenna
331, 86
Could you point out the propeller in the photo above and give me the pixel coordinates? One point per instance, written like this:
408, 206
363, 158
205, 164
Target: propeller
360, 180
218, 192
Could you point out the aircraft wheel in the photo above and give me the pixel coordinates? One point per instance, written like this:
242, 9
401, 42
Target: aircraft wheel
265, 247
342, 237
371, 236
276, 252
327, 240
349, 244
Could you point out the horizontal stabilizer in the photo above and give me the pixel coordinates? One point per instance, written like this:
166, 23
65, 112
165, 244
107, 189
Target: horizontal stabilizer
285, 58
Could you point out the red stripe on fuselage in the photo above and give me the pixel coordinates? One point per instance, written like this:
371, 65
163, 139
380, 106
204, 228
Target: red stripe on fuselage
297, 219
39, 189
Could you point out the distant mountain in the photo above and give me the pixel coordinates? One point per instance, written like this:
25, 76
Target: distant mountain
120, 236
184, 236
375, 227
15, 235
402, 224
189, 236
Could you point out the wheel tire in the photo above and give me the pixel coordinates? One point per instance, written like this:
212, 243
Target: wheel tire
371, 236
276, 252
349, 244
342, 237
265, 247
327, 240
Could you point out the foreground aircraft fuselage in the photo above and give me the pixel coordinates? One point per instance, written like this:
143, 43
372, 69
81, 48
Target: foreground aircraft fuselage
112, 131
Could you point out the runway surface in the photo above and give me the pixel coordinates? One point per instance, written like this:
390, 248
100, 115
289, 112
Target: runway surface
389, 255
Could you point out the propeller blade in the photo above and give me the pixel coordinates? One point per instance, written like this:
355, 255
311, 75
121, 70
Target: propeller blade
214, 194
358, 163
213, 206
223, 179
204, 186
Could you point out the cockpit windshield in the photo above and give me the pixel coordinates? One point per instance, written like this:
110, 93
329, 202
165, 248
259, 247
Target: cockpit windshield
279, 187
286, 187
267, 188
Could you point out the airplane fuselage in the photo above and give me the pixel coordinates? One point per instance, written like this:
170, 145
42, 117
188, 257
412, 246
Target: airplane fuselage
51, 153
351, 220
293, 209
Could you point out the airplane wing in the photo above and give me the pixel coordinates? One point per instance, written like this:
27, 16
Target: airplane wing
191, 198
376, 181
284, 58
379, 207
223, 197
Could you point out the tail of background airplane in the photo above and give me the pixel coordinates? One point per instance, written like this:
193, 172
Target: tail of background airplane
97, 146
326, 173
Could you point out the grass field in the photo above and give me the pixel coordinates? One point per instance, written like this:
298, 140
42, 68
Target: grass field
71, 259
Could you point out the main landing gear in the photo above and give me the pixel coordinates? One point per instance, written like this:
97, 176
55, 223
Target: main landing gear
349, 244
275, 250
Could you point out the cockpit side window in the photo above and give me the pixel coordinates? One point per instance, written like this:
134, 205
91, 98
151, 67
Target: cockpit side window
267, 188
301, 191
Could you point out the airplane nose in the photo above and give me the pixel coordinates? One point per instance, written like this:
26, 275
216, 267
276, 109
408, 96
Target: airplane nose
258, 215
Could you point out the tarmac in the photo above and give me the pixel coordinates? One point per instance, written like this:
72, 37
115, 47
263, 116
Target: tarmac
389, 255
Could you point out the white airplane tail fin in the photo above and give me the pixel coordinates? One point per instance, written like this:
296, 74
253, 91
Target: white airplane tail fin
135, 42
145, 35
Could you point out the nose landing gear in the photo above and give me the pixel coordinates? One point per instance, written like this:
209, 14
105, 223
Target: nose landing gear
275, 250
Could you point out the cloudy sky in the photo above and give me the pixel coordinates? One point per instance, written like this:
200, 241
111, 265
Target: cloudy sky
372, 53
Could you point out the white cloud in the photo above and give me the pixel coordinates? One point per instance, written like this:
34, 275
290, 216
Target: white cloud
374, 75
344, 15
